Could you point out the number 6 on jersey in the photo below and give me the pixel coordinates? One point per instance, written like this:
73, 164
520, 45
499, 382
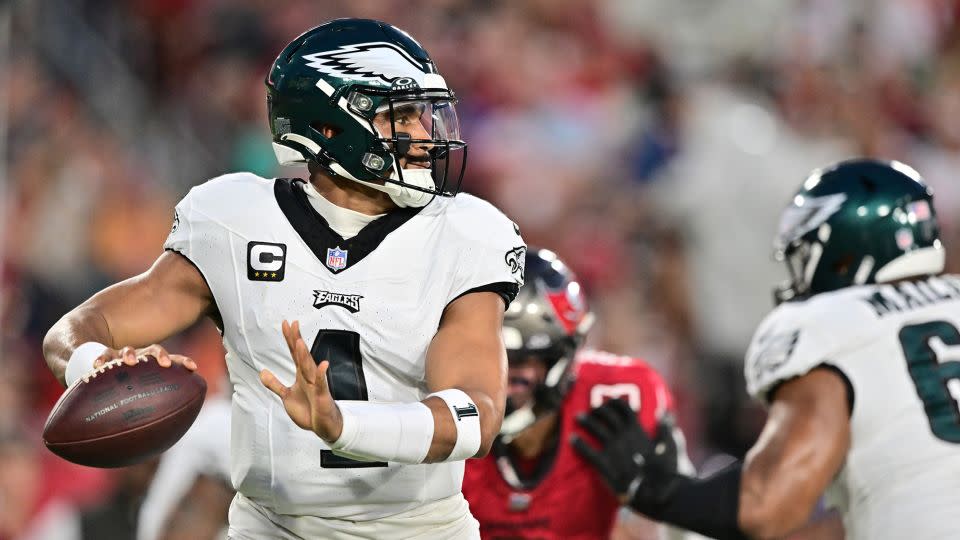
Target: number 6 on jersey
937, 383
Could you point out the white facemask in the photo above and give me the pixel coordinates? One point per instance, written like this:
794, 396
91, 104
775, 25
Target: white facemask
401, 196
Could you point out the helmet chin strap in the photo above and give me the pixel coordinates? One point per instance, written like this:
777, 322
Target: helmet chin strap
403, 196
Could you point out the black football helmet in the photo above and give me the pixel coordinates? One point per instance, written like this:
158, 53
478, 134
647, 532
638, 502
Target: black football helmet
548, 320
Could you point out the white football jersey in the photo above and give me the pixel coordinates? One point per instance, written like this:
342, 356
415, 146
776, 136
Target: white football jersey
899, 347
370, 305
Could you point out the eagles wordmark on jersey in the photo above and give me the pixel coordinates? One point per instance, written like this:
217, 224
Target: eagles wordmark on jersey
394, 356
368, 279
373, 320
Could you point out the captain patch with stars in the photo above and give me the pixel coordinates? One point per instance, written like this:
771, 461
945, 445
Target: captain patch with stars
266, 261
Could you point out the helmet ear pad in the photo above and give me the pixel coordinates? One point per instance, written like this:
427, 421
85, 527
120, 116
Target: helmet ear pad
339, 148
347, 143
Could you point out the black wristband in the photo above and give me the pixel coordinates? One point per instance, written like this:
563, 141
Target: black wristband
706, 506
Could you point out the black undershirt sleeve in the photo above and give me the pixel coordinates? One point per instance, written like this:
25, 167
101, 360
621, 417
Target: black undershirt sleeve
506, 290
707, 506
710, 506
851, 395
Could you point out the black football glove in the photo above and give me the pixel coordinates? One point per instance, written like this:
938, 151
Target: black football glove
642, 472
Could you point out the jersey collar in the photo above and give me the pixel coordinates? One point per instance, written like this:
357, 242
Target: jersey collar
321, 239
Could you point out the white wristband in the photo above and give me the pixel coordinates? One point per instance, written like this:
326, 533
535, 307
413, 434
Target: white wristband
81, 361
466, 416
397, 432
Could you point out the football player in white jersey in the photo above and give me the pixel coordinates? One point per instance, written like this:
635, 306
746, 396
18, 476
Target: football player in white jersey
360, 310
860, 366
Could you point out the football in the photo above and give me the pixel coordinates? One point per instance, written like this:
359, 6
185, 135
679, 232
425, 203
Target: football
121, 415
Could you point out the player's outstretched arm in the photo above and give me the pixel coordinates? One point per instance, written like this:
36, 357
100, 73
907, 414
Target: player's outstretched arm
773, 493
465, 370
137, 312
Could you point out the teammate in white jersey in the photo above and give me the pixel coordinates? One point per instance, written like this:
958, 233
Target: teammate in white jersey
860, 367
360, 310
190, 493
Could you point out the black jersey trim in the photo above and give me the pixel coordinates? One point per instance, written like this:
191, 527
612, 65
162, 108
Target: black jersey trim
215, 313
506, 289
851, 395
319, 237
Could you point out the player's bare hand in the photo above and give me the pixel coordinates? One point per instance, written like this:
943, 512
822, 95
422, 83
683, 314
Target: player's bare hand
308, 402
131, 356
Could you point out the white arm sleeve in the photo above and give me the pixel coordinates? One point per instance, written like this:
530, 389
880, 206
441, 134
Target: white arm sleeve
397, 432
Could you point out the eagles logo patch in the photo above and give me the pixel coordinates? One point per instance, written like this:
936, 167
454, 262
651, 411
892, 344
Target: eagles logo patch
515, 259
773, 351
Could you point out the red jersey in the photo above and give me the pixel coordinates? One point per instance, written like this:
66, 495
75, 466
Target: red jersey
564, 498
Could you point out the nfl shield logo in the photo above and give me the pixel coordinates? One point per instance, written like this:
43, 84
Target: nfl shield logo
336, 258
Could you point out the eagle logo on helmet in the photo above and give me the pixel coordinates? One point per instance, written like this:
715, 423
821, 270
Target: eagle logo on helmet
377, 61
805, 215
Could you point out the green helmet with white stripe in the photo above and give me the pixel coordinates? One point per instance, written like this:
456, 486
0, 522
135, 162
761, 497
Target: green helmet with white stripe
856, 222
365, 102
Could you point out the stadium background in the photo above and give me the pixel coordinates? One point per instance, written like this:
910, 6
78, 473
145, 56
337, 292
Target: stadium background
651, 144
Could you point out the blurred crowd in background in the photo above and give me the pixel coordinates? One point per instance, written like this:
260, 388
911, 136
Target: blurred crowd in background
652, 145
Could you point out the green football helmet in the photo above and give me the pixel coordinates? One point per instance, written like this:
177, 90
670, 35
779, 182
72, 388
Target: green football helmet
855, 222
356, 96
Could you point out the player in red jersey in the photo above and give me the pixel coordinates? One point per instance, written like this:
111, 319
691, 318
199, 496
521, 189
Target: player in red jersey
533, 485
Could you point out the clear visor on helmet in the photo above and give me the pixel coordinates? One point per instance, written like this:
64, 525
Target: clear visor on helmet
422, 119
423, 134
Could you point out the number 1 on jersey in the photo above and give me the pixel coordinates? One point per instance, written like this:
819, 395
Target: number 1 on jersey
937, 383
345, 376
